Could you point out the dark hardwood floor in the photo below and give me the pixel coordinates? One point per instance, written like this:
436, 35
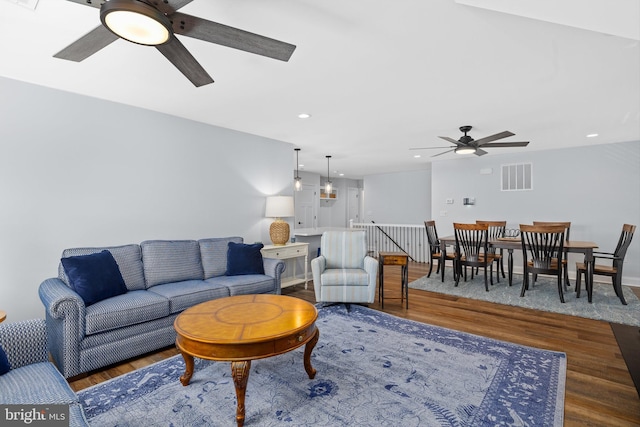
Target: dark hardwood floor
599, 388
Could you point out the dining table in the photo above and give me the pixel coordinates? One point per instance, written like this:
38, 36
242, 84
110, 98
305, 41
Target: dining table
514, 243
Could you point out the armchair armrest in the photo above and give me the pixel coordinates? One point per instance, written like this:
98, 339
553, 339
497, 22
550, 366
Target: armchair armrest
371, 267
274, 267
65, 315
606, 256
24, 342
318, 265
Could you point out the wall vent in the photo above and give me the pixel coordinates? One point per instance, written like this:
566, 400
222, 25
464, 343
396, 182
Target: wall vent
517, 177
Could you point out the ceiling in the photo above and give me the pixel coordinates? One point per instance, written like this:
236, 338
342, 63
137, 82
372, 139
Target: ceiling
377, 76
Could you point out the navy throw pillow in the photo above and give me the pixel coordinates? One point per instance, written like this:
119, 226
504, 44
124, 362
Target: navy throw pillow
4, 362
94, 277
244, 259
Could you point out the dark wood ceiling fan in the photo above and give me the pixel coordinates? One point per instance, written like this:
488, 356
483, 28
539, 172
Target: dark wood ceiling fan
468, 145
164, 16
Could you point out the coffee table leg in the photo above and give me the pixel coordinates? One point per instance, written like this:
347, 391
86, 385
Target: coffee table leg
240, 373
307, 355
188, 371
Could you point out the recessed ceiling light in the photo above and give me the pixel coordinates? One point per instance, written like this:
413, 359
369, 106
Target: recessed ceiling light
417, 156
304, 115
592, 135
341, 174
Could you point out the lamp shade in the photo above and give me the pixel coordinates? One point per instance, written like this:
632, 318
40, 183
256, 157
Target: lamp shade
279, 207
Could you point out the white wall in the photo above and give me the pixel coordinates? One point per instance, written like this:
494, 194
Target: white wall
333, 213
398, 198
77, 171
597, 188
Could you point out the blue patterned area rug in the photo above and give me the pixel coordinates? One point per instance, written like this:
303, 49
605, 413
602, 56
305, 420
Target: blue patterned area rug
543, 295
374, 369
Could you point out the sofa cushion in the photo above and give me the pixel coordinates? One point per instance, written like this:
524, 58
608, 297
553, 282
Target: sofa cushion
214, 255
340, 276
244, 259
124, 310
167, 261
94, 277
4, 362
128, 257
38, 383
182, 295
246, 284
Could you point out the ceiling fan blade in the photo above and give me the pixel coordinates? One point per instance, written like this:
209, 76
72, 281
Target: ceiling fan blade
179, 56
87, 45
169, 7
427, 148
480, 152
444, 152
451, 140
506, 144
235, 38
495, 137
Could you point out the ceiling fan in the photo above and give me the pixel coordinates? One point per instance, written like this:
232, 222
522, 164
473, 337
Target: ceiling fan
155, 23
468, 145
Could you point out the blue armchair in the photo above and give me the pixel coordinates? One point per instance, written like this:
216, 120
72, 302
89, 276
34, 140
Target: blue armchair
33, 380
344, 272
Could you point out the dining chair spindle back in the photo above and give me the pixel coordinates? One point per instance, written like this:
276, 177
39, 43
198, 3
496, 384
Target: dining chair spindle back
496, 230
542, 251
567, 232
434, 248
616, 258
472, 250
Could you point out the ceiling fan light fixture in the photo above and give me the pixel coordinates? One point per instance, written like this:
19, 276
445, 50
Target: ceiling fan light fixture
465, 150
136, 22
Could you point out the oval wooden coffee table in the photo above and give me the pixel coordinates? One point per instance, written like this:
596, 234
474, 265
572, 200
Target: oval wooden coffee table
242, 328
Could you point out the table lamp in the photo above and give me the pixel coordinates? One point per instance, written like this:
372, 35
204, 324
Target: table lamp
279, 207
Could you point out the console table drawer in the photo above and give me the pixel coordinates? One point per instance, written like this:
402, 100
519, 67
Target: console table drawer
285, 252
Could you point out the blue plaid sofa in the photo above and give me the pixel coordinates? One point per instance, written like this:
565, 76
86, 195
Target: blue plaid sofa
162, 279
33, 380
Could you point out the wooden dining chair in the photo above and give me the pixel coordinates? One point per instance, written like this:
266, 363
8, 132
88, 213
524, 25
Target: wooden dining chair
617, 261
495, 230
567, 231
434, 248
542, 251
472, 251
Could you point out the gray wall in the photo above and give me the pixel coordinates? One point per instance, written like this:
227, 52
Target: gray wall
597, 188
77, 171
398, 198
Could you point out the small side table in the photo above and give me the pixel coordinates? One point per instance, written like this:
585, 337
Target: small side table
394, 258
3, 316
286, 252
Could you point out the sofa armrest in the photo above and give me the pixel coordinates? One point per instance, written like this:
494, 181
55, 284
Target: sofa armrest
274, 267
24, 342
65, 314
318, 265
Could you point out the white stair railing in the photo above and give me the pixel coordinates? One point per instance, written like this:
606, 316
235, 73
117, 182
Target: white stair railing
410, 238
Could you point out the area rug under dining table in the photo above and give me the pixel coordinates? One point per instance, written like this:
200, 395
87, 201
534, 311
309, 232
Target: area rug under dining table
543, 295
374, 369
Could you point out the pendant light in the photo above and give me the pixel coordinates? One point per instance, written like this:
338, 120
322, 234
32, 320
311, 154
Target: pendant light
328, 187
297, 185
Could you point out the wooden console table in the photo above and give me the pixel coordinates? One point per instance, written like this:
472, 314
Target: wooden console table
290, 251
3, 315
394, 258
